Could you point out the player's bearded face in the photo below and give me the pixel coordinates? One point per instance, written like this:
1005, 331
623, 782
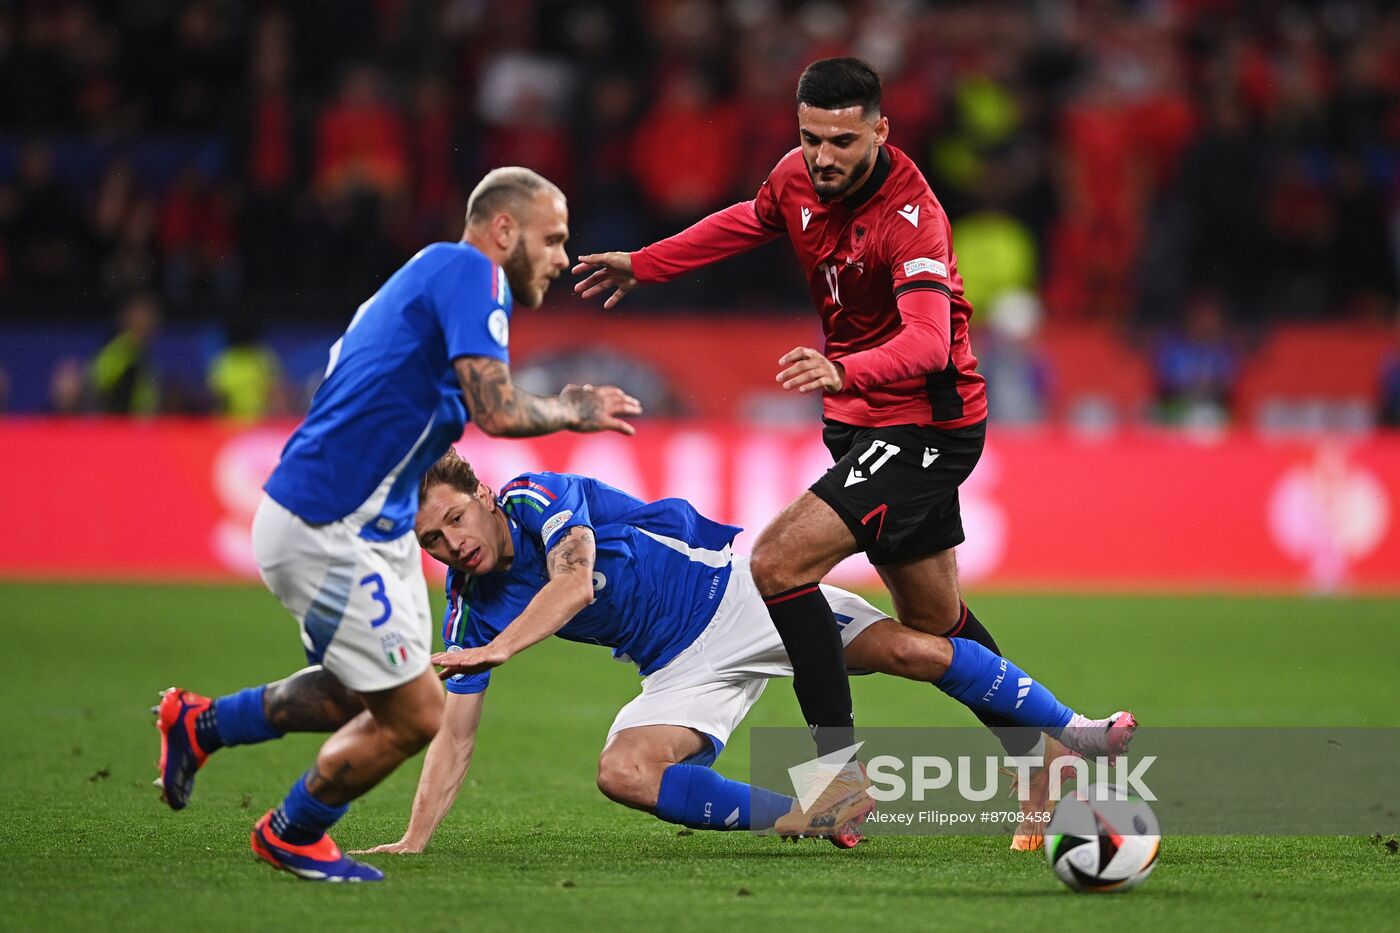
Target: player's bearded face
520, 274
835, 182
839, 147
538, 257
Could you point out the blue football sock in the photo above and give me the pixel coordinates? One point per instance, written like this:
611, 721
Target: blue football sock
702, 798
241, 719
987, 682
302, 819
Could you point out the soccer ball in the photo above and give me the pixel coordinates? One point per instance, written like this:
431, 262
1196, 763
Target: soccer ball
1102, 839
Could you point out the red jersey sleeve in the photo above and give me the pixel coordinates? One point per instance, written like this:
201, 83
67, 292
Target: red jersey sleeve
919, 251
729, 232
921, 346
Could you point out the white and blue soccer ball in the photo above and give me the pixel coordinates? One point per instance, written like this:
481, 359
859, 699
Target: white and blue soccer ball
1102, 839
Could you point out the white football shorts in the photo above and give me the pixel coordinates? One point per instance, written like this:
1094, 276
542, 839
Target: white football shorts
712, 685
362, 605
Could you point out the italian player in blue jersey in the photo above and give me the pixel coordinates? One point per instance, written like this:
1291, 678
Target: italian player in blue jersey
333, 536
566, 555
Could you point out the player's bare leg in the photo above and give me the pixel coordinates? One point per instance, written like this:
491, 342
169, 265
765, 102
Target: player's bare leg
659, 769
311, 700
791, 556
925, 592
803, 542
634, 760
395, 725
887, 647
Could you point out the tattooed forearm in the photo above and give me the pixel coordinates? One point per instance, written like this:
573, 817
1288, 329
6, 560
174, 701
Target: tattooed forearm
501, 409
311, 700
570, 589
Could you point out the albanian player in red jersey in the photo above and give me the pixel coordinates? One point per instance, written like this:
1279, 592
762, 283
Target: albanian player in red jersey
904, 407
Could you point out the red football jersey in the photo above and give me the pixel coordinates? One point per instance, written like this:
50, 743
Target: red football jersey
860, 254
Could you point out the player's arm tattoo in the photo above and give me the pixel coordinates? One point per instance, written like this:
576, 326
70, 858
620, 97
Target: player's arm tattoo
574, 554
311, 700
570, 589
502, 409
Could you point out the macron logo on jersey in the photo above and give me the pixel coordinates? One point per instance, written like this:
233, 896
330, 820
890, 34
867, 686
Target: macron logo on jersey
910, 212
806, 218
923, 264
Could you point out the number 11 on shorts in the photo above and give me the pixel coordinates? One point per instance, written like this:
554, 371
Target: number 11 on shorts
890, 451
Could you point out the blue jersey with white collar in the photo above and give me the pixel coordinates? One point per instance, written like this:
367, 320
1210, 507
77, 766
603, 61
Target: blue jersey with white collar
660, 572
390, 404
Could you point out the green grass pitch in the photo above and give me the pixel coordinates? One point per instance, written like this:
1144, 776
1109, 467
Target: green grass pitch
85, 843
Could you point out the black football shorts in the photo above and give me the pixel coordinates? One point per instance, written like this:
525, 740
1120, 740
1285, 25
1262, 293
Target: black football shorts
896, 488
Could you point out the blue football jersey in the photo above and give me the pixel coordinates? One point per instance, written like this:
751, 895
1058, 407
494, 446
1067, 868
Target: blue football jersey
660, 572
390, 404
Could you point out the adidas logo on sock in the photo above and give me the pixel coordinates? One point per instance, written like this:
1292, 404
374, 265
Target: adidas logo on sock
1023, 689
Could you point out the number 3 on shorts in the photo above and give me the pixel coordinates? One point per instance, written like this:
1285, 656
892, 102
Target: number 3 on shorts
380, 597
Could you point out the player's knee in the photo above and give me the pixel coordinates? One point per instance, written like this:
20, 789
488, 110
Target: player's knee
426, 723
625, 779
413, 729
937, 618
770, 571
919, 657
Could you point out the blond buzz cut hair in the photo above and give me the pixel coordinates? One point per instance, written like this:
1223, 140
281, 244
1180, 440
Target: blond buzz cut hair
506, 190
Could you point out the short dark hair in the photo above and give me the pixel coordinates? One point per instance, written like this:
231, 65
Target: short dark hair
838, 83
451, 470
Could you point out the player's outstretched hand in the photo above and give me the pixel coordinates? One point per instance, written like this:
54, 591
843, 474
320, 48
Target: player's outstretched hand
470, 660
605, 270
809, 371
598, 409
391, 848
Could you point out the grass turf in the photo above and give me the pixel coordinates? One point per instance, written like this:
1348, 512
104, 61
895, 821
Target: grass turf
85, 843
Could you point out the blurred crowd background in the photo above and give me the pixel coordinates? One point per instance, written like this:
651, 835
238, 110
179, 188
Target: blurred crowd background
1184, 212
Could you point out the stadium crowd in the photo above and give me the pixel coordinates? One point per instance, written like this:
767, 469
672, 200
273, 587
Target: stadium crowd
1189, 171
